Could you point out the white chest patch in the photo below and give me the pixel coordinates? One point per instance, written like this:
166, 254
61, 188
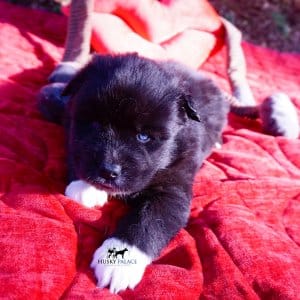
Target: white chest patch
85, 194
119, 265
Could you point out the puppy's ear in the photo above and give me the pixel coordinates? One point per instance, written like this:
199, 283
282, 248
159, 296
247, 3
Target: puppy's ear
189, 108
75, 83
90, 70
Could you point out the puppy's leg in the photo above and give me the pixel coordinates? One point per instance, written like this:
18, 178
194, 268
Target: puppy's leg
85, 194
77, 46
236, 68
156, 217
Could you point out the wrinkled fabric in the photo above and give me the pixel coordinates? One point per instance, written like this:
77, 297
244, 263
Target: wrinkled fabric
243, 237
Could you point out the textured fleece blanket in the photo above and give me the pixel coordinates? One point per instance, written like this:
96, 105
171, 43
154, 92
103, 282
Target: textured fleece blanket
243, 237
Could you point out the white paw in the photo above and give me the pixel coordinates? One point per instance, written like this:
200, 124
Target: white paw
117, 271
85, 193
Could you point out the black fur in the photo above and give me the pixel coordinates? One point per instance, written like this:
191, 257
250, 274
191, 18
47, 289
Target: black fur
116, 103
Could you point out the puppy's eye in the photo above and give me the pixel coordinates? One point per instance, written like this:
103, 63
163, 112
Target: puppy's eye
143, 137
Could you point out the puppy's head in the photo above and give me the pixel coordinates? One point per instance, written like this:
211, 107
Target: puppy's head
125, 112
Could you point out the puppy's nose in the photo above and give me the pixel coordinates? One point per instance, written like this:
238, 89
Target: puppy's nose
109, 171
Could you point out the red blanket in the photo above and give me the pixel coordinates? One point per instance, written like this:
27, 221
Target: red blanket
243, 237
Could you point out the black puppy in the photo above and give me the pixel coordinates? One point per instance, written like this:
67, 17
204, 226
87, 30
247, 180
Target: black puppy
139, 130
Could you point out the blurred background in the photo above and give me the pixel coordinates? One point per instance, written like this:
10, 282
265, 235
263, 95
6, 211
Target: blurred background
269, 23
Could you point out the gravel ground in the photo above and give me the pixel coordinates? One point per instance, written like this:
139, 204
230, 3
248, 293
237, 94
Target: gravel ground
270, 23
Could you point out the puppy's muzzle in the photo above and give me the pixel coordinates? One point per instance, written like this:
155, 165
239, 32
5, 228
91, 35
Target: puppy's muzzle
109, 171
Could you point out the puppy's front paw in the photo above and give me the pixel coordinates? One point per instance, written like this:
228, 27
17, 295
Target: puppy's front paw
279, 116
86, 194
51, 103
119, 265
64, 72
